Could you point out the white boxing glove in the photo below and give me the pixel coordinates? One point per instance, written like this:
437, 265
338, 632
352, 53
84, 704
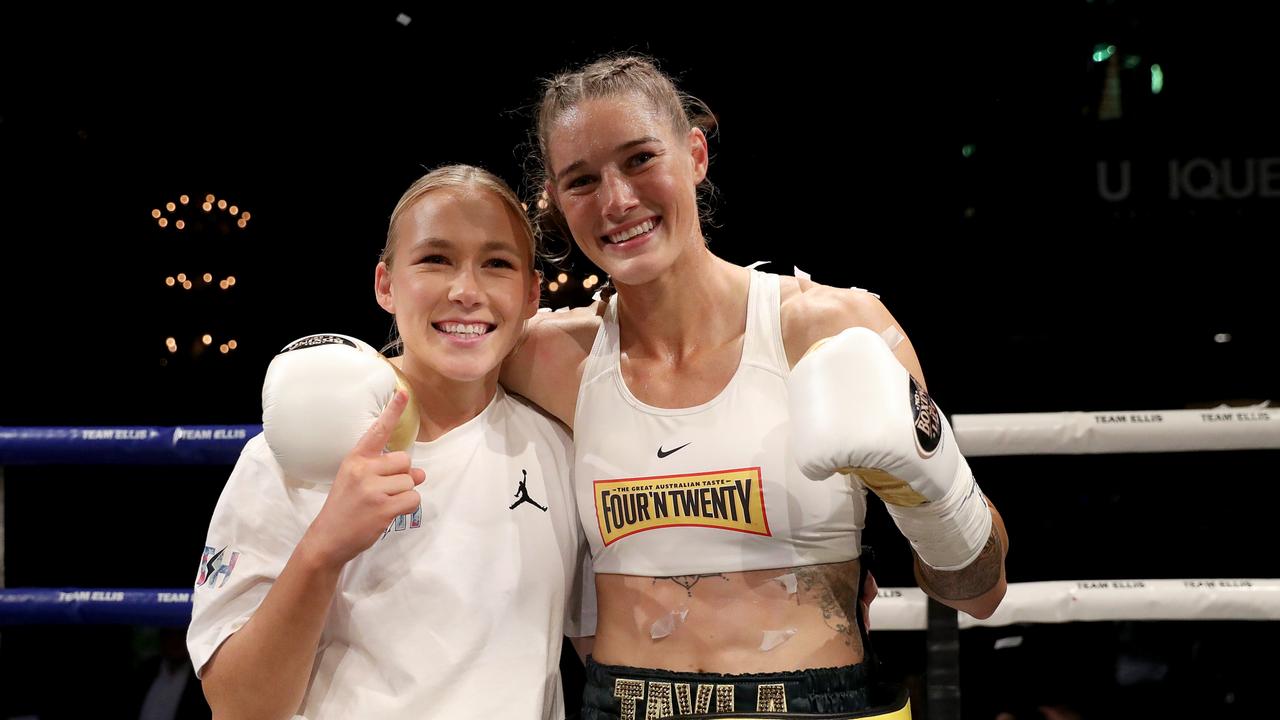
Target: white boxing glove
321, 394
855, 409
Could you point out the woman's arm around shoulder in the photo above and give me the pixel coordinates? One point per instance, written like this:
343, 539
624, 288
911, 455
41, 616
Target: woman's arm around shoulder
546, 365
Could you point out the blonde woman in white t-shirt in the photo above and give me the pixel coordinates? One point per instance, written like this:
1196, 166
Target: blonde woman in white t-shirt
436, 580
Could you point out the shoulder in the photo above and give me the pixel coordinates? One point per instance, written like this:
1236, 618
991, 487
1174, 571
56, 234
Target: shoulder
256, 451
574, 326
811, 311
536, 420
562, 338
529, 427
259, 507
256, 470
546, 364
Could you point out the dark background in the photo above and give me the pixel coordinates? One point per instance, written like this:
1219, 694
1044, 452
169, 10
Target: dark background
948, 161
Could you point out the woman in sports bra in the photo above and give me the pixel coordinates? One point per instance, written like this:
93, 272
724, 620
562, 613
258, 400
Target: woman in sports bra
721, 481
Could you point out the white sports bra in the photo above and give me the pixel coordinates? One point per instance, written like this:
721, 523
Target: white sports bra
710, 488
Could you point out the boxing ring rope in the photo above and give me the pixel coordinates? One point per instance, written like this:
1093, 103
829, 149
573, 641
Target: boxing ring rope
1089, 433
1098, 600
903, 608
896, 608
132, 445
74, 606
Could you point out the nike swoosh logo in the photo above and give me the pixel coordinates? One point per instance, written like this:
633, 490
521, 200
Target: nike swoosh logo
663, 453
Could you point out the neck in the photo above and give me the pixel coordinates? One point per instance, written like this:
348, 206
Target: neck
445, 403
698, 303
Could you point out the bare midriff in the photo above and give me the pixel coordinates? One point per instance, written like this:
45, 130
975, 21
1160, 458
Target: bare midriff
733, 623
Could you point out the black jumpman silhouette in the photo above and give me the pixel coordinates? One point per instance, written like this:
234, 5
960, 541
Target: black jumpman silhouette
523, 493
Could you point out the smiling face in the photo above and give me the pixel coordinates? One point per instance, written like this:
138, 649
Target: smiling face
459, 279
626, 183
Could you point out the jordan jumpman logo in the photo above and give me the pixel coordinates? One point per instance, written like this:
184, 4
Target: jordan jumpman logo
522, 492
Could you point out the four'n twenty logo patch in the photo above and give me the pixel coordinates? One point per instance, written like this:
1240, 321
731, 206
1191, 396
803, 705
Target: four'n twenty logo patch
725, 499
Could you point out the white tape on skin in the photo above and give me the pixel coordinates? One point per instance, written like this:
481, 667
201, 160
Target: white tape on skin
893, 337
788, 581
666, 624
774, 638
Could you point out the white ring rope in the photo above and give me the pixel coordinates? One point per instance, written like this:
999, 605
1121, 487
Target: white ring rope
1081, 433
904, 608
1222, 428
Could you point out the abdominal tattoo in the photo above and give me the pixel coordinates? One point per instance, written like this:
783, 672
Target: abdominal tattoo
688, 581
834, 589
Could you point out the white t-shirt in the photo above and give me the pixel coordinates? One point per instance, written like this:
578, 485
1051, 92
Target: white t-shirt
458, 611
